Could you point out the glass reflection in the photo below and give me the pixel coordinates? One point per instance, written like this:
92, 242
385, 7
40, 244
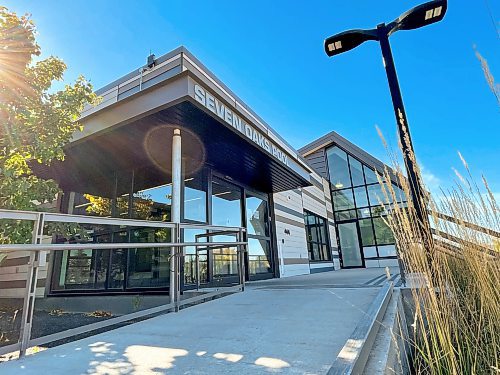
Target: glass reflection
370, 176
118, 262
226, 203
317, 238
361, 197
195, 199
257, 216
258, 256
377, 195
225, 259
349, 245
92, 205
383, 232
149, 267
338, 168
366, 229
190, 258
356, 172
153, 203
343, 199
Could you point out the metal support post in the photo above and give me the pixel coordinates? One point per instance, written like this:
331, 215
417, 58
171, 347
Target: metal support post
197, 257
30, 289
177, 268
176, 210
418, 194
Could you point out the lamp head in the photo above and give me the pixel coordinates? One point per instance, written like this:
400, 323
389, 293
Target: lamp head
422, 15
348, 40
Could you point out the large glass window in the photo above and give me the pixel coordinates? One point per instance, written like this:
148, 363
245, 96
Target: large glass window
317, 238
343, 199
383, 232
356, 172
123, 189
226, 203
370, 176
345, 215
91, 205
338, 168
149, 267
195, 198
361, 197
153, 203
366, 229
147, 195
377, 195
360, 201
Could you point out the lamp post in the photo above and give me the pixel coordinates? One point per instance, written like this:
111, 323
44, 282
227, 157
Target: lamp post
417, 17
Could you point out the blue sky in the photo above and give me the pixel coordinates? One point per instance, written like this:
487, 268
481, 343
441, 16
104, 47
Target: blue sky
270, 53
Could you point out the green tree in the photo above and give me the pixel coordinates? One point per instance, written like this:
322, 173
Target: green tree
36, 122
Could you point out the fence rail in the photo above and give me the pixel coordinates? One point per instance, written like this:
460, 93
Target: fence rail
466, 224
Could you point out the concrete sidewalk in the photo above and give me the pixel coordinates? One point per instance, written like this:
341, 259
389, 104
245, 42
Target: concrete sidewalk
294, 326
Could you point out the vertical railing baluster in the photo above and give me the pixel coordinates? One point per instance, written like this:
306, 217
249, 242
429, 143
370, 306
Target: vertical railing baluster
30, 289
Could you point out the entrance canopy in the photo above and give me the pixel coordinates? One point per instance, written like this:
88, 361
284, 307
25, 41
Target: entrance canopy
132, 128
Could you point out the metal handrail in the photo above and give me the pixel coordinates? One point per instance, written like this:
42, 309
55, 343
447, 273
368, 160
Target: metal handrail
83, 219
110, 245
37, 249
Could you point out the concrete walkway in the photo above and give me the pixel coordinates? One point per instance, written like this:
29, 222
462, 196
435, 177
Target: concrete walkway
293, 326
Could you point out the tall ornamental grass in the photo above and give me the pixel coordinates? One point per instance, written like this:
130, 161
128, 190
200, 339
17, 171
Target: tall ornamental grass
456, 277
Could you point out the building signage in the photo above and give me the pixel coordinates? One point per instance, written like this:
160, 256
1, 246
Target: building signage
230, 117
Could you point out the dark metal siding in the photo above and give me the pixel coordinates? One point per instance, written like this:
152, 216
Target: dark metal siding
317, 161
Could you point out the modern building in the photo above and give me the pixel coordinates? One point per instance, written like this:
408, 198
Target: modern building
311, 210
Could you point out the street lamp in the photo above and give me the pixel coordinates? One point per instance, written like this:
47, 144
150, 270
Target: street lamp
419, 16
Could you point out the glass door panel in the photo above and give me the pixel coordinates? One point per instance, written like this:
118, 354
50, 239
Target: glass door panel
259, 262
349, 245
257, 216
259, 256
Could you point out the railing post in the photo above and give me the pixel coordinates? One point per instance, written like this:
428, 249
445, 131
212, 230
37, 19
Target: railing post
197, 259
30, 289
178, 254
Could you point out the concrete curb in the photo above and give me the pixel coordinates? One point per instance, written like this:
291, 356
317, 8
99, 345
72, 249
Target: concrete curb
354, 355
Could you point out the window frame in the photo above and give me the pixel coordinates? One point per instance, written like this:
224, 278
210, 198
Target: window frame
318, 224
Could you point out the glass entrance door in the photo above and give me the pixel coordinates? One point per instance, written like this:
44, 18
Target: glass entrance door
259, 262
226, 211
349, 244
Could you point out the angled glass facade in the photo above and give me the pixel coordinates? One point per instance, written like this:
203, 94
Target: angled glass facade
360, 205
